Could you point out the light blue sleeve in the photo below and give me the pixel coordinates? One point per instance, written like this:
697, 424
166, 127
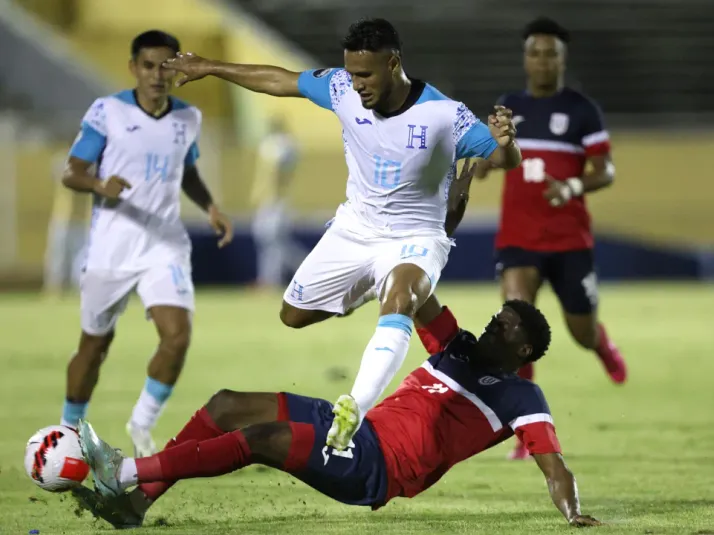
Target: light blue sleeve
477, 142
89, 144
192, 155
315, 86
471, 136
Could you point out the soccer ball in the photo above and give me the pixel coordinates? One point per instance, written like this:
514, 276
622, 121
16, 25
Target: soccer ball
54, 460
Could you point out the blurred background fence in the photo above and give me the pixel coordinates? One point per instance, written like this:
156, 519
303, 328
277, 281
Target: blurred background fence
648, 63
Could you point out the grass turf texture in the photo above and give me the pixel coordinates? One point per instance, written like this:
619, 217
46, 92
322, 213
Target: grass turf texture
642, 453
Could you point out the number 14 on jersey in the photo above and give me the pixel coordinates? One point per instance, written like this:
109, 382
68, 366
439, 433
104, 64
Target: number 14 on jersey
157, 166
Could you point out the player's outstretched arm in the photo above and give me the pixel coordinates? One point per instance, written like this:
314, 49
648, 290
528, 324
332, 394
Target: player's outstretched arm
563, 488
267, 79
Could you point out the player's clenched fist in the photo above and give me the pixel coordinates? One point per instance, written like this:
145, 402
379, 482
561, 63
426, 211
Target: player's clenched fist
501, 126
112, 187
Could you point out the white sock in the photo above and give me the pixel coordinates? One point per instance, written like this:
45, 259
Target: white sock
128, 476
150, 404
382, 359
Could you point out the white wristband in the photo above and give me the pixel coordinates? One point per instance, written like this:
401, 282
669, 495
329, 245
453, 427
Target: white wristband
576, 186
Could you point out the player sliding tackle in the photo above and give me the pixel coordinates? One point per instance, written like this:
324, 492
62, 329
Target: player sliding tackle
456, 405
402, 140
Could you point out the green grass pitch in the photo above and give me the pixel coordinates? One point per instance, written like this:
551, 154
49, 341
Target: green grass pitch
643, 454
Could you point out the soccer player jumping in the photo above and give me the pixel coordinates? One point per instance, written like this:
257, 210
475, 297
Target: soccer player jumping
458, 404
135, 152
402, 138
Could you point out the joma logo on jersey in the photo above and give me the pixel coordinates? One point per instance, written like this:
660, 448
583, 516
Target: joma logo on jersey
413, 137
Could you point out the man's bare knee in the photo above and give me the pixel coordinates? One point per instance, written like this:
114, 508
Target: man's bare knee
269, 443
176, 340
233, 410
94, 348
222, 408
406, 289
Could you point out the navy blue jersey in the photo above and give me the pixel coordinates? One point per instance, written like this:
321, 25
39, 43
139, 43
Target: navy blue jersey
556, 135
447, 411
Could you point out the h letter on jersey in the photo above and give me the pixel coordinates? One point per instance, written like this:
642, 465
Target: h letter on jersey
297, 291
412, 136
179, 133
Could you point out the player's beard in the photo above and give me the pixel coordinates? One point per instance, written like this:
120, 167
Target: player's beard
381, 103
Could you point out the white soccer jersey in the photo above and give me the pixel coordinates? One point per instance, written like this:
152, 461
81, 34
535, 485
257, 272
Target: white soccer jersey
143, 228
401, 166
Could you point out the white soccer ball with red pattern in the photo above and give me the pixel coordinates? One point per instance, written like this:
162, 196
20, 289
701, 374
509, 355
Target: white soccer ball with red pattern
54, 460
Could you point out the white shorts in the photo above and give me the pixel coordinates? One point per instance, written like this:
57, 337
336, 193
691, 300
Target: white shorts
346, 263
105, 294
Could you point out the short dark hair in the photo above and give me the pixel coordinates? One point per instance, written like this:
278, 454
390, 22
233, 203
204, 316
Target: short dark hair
154, 39
546, 26
373, 35
535, 325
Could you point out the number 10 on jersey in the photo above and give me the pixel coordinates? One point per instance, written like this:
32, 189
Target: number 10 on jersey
387, 173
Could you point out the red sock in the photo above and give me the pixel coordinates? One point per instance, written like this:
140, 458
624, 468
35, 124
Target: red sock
200, 427
527, 371
207, 458
439, 332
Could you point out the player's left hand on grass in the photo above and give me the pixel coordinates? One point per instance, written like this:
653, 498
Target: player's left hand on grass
501, 126
191, 66
220, 223
558, 193
583, 521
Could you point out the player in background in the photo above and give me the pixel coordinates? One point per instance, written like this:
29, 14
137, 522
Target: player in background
545, 231
144, 145
275, 166
66, 234
458, 404
402, 139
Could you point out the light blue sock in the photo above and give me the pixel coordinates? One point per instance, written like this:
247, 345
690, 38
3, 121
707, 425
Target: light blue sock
72, 413
151, 401
382, 359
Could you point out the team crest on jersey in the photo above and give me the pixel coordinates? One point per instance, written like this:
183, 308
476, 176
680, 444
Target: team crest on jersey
559, 123
321, 73
487, 380
179, 133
